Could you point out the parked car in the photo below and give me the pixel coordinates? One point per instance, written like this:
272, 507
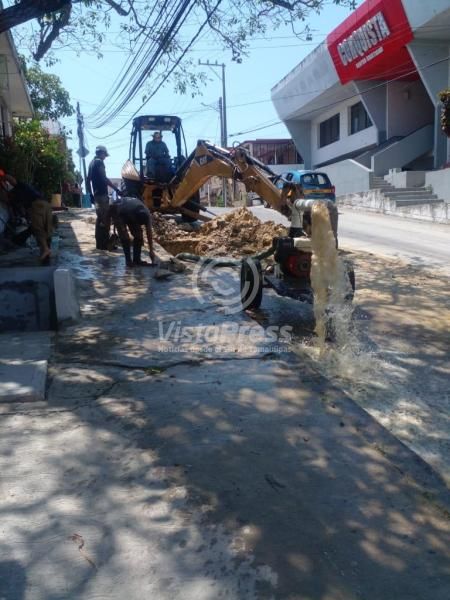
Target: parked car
315, 184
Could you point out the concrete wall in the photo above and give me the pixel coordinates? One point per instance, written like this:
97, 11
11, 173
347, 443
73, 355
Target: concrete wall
420, 12
373, 96
301, 85
431, 60
347, 143
406, 179
408, 107
27, 299
440, 183
404, 151
374, 201
348, 177
301, 134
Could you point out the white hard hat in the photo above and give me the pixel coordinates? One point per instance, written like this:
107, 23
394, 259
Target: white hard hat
100, 149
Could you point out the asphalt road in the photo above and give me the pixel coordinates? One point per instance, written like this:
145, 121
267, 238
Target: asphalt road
414, 241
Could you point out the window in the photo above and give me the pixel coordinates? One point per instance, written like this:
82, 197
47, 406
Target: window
323, 179
359, 118
329, 131
315, 180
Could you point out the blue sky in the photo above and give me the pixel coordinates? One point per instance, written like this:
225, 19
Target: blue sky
87, 79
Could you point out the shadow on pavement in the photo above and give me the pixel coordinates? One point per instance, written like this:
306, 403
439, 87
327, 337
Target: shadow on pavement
247, 476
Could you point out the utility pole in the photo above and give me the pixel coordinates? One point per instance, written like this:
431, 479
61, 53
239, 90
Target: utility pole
82, 150
224, 109
221, 121
223, 115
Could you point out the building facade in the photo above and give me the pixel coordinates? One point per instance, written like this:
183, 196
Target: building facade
274, 151
14, 97
279, 154
369, 92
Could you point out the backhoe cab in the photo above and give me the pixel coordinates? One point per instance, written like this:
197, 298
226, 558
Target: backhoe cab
158, 174
142, 132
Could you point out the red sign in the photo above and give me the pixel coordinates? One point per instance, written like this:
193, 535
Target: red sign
371, 43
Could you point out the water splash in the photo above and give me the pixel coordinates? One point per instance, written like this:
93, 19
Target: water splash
330, 281
337, 348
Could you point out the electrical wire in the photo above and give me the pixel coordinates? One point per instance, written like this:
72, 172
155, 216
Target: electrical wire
133, 85
406, 65
356, 95
174, 66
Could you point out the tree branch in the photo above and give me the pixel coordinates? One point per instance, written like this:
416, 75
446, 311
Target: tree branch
119, 10
29, 9
58, 23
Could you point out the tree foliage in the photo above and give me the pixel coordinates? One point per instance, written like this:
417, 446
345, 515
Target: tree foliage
83, 24
156, 36
50, 100
33, 156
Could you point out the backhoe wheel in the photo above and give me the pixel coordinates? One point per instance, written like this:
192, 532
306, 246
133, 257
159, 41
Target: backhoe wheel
251, 283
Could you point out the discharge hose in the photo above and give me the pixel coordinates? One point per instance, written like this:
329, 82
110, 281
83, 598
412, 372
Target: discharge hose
223, 261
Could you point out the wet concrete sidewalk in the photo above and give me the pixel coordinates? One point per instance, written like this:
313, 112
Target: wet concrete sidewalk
176, 470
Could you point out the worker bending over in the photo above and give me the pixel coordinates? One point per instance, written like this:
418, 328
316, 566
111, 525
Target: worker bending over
130, 215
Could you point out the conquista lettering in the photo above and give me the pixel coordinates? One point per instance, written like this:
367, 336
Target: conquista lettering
374, 31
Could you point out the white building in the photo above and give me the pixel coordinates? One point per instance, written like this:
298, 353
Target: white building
14, 98
369, 92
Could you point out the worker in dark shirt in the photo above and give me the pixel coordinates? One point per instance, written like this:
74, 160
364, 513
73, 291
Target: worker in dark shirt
97, 186
159, 166
130, 215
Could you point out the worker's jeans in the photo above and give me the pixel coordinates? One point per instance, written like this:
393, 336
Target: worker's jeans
103, 223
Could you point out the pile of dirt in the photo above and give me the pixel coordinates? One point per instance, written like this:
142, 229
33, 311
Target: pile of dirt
166, 230
238, 233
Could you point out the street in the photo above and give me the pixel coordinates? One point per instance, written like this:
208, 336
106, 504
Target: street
418, 242
177, 458
396, 361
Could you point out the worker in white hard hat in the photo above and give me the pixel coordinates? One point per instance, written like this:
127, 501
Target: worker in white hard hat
97, 187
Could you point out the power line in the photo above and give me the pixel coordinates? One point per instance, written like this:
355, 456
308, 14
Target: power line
180, 58
357, 95
131, 86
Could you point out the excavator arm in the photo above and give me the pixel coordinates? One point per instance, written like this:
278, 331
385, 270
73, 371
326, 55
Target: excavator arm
258, 178
209, 161
205, 162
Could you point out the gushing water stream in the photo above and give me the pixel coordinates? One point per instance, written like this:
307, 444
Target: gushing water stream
329, 281
345, 356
